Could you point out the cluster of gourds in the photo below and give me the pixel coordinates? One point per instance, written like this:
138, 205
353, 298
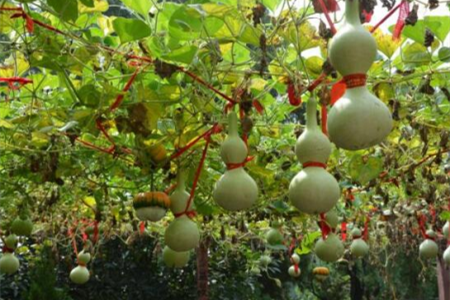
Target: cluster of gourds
429, 248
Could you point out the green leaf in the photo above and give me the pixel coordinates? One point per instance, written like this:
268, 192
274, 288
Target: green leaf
363, 168
67, 10
184, 54
445, 215
186, 23
88, 3
130, 30
271, 4
416, 54
440, 26
140, 6
444, 54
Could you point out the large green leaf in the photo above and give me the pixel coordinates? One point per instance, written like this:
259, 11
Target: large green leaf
140, 6
130, 30
67, 9
444, 54
416, 54
439, 25
365, 168
184, 54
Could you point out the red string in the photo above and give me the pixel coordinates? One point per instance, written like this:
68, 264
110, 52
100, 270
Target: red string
401, 21
95, 231
120, 98
142, 227
324, 228
291, 247
294, 99
355, 80
12, 80
314, 164
344, 231
365, 233
6, 249
239, 165
324, 119
296, 268
215, 129
327, 16
316, 82
387, 16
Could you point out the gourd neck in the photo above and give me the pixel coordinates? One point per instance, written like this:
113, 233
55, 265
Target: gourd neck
232, 124
311, 114
352, 15
181, 180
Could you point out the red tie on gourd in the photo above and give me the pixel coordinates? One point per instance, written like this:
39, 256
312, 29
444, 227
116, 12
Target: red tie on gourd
358, 120
313, 190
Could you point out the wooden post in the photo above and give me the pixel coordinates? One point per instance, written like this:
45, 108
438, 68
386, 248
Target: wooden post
443, 279
202, 269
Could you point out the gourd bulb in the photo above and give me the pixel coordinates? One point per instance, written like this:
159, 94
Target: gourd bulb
255, 271
180, 197
182, 234
313, 190
295, 259
429, 248
235, 190
330, 249
264, 261
321, 273
356, 232
174, 259
152, 214
447, 256
445, 230
83, 258
359, 247
22, 227
80, 275
9, 263
11, 241
274, 237
294, 271
358, 120
332, 219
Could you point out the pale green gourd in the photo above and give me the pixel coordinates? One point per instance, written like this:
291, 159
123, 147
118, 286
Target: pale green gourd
182, 234
79, 275
22, 227
358, 120
313, 190
445, 230
295, 259
359, 247
294, 272
332, 219
174, 259
152, 213
429, 248
330, 249
235, 190
264, 261
11, 241
180, 197
274, 237
446, 256
9, 264
84, 258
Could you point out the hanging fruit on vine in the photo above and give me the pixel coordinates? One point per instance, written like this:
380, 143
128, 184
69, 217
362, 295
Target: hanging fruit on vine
428, 248
321, 273
80, 274
151, 206
174, 259
359, 247
9, 263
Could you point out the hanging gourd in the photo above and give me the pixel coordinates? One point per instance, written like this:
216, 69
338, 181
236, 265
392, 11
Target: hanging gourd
182, 234
174, 259
80, 274
264, 261
22, 226
359, 247
235, 190
151, 206
295, 259
274, 237
358, 120
313, 190
321, 273
9, 264
332, 219
429, 248
329, 249
294, 271
445, 230
446, 255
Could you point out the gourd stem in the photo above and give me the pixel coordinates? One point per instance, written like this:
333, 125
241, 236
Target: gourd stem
181, 180
311, 114
352, 14
232, 124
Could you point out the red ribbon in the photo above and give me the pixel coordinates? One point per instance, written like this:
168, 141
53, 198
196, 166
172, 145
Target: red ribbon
296, 268
142, 227
6, 249
294, 100
316, 82
324, 228
239, 165
324, 119
120, 98
314, 164
365, 233
404, 12
355, 80
19, 80
333, 7
344, 231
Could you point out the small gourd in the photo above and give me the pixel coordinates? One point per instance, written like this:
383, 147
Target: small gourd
321, 273
235, 190
255, 271
295, 259
264, 261
359, 246
180, 197
294, 271
313, 190
332, 219
22, 227
429, 248
446, 255
151, 206
445, 230
274, 237
11, 241
182, 234
80, 274
358, 120
9, 264
330, 249
174, 259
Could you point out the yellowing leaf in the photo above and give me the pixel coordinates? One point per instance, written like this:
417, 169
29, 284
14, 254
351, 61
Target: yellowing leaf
258, 84
39, 139
385, 43
105, 24
384, 91
99, 6
6, 124
14, 65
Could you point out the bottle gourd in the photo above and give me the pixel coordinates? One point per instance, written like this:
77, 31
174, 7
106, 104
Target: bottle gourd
182, 234
313, 190
428, 248
359, 247
358, 120
80, 274
235, 190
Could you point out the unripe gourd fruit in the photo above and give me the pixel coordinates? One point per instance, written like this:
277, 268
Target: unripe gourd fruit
313, 190
332, 218
445, 230
180, 197
294, 271
447, 256
11, 241
174, 259
429, 248
330, 249
295, 259
151, 206
264, 261
359, 247
182, 234
358, 120
9, 263
22, 227
235, 190
274, 237
80, 274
